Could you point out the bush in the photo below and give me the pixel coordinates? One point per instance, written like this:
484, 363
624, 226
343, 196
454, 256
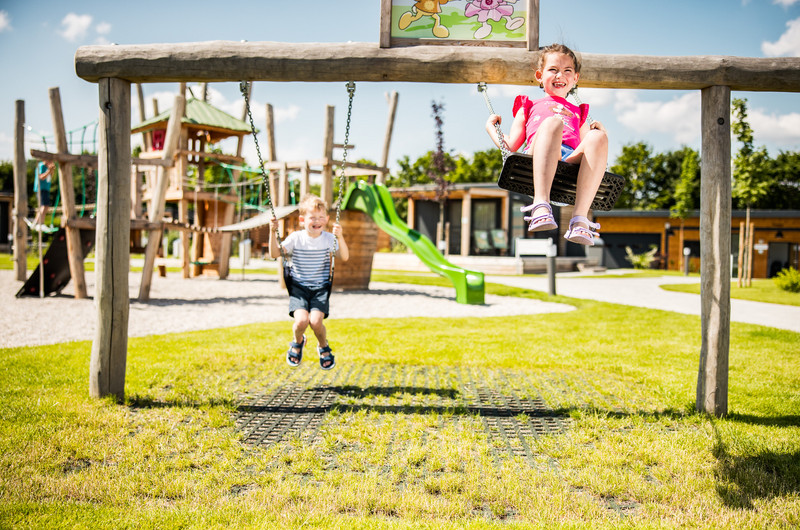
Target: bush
788, 280
641, 261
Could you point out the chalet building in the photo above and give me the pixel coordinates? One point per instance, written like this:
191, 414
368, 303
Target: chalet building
6, 219
482, 219
776, 239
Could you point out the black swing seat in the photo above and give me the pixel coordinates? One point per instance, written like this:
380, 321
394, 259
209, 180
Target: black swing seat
517, 176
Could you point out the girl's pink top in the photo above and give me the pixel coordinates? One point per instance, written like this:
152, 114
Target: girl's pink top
572, 115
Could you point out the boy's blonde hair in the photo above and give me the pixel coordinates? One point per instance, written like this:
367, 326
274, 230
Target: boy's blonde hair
558, 48
312, 203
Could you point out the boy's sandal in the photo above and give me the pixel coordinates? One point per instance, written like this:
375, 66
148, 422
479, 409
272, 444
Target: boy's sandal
293, 358
541, 222
328, 361
581, 234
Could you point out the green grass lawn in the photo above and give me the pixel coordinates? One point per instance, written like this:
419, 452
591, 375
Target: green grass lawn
623, 379
759, 291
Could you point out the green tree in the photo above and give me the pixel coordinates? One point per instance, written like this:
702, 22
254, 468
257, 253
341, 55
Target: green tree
635, 162
784, 194
751, 182
751, 178
6, 175
483, 166
685, 191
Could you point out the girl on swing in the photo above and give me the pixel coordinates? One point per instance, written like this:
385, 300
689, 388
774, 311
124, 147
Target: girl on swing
553, 129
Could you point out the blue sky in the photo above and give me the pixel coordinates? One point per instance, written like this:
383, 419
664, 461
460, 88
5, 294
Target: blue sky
38, 40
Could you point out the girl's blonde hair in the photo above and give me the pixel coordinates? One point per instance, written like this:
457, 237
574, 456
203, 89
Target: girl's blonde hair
311, 203
558, 48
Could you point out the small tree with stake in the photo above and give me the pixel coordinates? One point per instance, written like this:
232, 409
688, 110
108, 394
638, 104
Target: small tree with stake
751, 181
438, 170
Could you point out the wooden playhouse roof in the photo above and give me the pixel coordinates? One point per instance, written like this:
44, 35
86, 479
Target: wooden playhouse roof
199, 115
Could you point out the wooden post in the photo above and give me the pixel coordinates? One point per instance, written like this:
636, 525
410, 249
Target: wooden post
751, 237
225, 241
110, 346
533, 25
74, 249
305, 179
387, 139
183, 215
158, 201
20, 194
715, 251
740, 261
466, 223
283, 186
269, 176
326, 191
146, 137
385, 37
270, 131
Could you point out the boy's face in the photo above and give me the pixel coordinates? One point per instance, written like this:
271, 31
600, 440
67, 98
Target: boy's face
315, 222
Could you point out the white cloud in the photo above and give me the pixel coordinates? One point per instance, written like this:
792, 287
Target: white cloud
5, 21
103, 28
787, 44
678, 117
75, 26
780, 129
785, 3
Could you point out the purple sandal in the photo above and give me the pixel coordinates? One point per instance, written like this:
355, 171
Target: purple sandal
581, 234
541, 222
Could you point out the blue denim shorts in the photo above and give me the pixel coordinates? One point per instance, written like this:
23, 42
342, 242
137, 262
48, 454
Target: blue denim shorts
566, 151
310, 299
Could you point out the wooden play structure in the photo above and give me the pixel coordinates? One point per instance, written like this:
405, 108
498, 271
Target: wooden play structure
114, 68
157, 178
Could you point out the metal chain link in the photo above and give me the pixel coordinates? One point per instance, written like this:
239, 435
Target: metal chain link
351, 90
244, 88
482, 88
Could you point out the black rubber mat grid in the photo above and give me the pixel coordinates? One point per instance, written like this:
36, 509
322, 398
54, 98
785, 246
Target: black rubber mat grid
509, 403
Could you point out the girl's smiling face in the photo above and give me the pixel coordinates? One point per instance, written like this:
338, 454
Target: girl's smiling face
558, 75
315, 222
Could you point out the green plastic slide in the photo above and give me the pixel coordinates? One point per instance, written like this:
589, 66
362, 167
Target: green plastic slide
375, 201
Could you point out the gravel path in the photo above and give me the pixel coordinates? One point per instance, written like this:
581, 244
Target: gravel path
177, 304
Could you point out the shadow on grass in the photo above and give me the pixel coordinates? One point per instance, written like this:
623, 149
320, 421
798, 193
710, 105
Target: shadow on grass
744, 479
136, 401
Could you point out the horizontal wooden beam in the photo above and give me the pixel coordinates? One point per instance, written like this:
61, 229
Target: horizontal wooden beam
221, 61
90, 161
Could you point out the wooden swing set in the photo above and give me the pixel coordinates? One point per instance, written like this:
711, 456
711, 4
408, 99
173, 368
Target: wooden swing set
114, 68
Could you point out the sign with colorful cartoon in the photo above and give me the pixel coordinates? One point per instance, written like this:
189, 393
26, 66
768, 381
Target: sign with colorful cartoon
457, 22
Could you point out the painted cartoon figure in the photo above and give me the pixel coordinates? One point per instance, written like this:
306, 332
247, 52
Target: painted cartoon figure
430, 8
494, 10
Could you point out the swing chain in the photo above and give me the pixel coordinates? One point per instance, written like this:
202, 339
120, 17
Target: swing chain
482, 88
574, 94
351, 90
244, 88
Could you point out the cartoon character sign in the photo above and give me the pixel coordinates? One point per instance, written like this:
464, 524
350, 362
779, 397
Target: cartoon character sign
430, 8
495, 10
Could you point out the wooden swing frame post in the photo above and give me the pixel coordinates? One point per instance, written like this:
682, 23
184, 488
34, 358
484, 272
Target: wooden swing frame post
20, 194
73, 235
322, 62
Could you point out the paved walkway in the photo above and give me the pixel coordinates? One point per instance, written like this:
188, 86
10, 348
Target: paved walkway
646, 292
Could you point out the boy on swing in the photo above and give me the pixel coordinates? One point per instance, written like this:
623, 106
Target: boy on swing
554, 129
309, 292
